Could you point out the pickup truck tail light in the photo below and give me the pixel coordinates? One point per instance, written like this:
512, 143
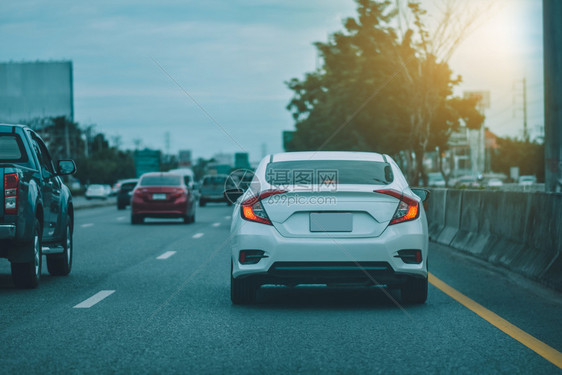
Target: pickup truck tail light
11, 184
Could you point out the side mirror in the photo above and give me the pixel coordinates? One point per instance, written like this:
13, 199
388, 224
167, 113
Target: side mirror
422, 193
65, 167
232, 195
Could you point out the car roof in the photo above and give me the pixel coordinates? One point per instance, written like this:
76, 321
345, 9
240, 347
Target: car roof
160, 174
327, 155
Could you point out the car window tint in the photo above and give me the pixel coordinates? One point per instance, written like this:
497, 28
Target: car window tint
11, 149
329, 172
128, 186
214, 180
169, 180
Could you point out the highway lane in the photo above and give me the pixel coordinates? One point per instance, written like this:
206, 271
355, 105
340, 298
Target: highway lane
173, 314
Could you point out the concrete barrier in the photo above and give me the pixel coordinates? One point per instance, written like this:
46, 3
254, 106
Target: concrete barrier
452, 217
436, 210
516, 230
471, 237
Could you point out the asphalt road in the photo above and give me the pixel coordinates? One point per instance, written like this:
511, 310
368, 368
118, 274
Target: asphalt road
174, 315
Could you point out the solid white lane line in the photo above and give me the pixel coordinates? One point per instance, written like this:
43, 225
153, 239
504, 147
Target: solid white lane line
216, 224
198, 235
94, 299
87, 225
166, 255
228, 217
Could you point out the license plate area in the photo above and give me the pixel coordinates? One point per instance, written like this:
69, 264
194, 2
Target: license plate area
331, 221
159, 196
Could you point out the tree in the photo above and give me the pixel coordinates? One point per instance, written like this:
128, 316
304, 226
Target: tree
380, 89
512, 152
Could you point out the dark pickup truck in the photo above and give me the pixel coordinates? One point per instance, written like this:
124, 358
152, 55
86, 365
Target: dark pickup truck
36, 212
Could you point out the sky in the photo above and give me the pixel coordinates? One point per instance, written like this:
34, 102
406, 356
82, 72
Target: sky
211, 73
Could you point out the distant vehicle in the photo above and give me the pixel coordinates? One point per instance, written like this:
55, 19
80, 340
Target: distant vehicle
115, 188
527, 180
107, 189
96, 192
125, 192
494, 182
212, 189
162, 195
187, 174
36, 209
466, 181
355, 221
242, 177
435, 179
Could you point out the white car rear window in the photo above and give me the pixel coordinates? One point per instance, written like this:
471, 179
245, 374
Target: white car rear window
319, 172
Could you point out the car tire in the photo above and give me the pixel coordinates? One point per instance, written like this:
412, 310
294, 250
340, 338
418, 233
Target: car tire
202, 202
61, 264
243, 291
136, 219
121, 207
27, 275
415, 290
187, 219
229, 203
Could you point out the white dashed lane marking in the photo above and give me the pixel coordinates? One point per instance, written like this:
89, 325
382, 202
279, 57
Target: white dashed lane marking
121, 218
198, 235
94, 299
228, 217
216, 224
87, 225
166, 255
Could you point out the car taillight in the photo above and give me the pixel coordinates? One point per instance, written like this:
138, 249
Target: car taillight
11, 184
180, 193
252, 208
408, 208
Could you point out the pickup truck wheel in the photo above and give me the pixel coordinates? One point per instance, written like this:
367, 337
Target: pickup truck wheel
60, 264
136, 219
26, 275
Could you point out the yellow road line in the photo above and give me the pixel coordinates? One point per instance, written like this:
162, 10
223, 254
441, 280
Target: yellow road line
549, 353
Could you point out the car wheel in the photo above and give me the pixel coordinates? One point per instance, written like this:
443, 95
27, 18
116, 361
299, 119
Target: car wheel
121, 207
60, 264
415, 290
228, 203
136, 219
26, 275
243, 291
202, 202
188, 219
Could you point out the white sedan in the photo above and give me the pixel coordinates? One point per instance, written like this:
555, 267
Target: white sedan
329, 218
96, 191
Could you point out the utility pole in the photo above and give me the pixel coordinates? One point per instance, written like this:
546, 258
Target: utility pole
523, 94
552, 41
525, 131
67, 138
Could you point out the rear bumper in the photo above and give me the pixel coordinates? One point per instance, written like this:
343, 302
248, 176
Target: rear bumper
307, 258
7, 231
368, 273
159, 209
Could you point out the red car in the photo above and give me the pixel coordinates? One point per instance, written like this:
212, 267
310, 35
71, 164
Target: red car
162, 195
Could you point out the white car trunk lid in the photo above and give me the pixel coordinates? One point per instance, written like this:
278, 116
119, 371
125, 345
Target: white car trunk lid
352, 211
